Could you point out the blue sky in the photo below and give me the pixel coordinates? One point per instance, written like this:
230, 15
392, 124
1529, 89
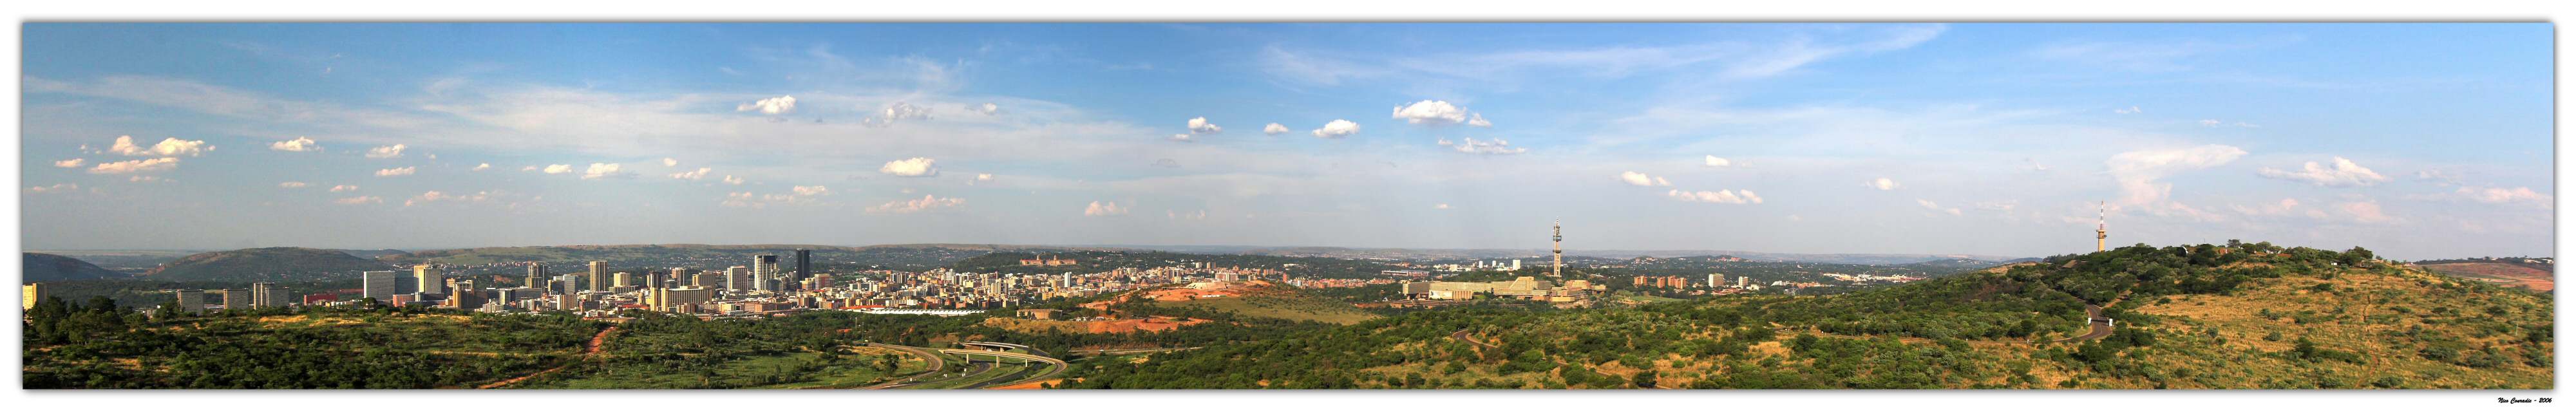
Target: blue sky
2428, 140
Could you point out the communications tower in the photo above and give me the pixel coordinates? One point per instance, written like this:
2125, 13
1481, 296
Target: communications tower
2101, 227
1558, 270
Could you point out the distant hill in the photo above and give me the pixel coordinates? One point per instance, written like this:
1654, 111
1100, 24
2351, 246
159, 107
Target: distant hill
1619, 254
266, 264
43, 267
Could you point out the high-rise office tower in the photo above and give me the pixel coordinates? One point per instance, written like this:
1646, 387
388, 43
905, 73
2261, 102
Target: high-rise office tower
536, 275
764, 265
737, 279
804, 268
1716, 280
380, 285
236, 299
598, 275
622, 280
707, 279
1558, 270
190, 299
265, 295
405, 284
656, 280
430, 280
29, 294
565, 285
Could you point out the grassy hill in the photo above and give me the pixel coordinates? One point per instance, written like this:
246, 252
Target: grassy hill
41, 267
2239, 316
1279, 305
265, 264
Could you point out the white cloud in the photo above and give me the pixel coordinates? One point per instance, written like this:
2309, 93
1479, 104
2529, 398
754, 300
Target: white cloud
913, 167
2034, 165
482, 166
774, 105
291, 185
2130, 110
299, 144
2284, 207
926, 202
1432, 112
136, 166
57, 187
1927, 204
359, 200
2209, 122
2365, 211
1442, 206
343, 188
812, 190
1181, 138
669, 162
1721, 196
692, 175
146, 179
1099, 208
2138, 172
386, 152
604, 170
1478, 120
1337, 129
1274, 129
1641, 179
72, 163
1881, 184
166, 148
980, 177
1714, 161
2438, 176
558, 169
2502, 195
898, 111
399, 171
2344, 173
730, 180
1495, 147
436, 196
1200, 125
988, 109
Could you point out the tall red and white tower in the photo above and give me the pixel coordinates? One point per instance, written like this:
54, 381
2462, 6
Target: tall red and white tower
2101, 226
1558, 270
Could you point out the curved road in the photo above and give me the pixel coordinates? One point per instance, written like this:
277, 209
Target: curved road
1461, 335
936, 365
1054, 366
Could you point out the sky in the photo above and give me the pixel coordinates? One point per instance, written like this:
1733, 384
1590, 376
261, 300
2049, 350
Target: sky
2414, 140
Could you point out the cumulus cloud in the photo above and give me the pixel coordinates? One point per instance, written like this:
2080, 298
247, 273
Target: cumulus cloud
1881, 184
359, 200
2500, 195
988, 109
136, 166
2284, 207
343, 188
1337, 129
166, 148
144, 179
1936, 207
482, 166
774, 105
730, 180
1641, 179
291, 185
2130, 110
437, 196
2366, 211
2439, 176
1432, 112
811, 190
399, 171
1722, 196
1200, 125
56, 188
299, 144
926, 202
2209, 122
669, 162
1181, 138
604, 170
1471, 146
913, 167
1478, 120
386, 152
1714, 161
71, 163
1274, 129
2138, 172
899, 111
1099, 208
692, 175
558, 169
2343, 173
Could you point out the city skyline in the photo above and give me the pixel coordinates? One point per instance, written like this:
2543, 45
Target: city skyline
2416, 140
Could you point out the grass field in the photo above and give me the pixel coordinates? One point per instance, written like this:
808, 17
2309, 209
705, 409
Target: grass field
767, 372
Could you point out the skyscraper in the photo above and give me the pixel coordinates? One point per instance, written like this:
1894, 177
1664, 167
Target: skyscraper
598, 275
804, 268
737, 279
29, 294
764, 272
267, 295
536, 275
622, 280
430, 280
380, 285
1558, 270
189, 299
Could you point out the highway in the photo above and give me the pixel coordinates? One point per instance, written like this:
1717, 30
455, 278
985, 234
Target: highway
936, 365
